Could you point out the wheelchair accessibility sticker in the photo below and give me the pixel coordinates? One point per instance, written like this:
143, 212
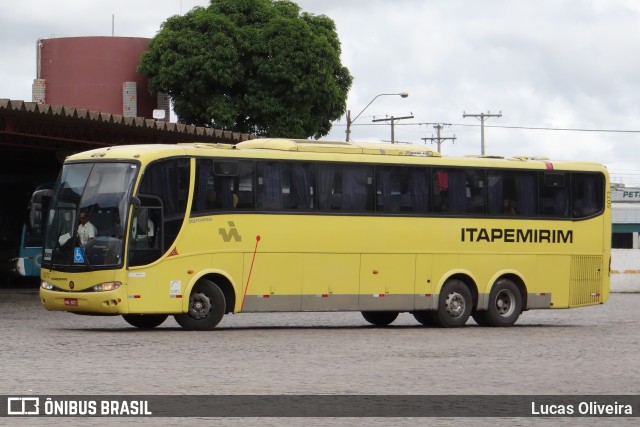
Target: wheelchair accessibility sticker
78, 256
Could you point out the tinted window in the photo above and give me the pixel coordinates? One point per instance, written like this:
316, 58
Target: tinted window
554, 196
586, 194
512, 193
345, 187
168, 182
459, 191
402, 189
222, 185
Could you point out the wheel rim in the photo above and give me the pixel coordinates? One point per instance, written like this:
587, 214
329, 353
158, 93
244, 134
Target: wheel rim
199, 306
455, 304
505, 303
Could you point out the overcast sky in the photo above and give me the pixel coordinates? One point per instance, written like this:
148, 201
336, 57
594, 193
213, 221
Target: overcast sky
562, 64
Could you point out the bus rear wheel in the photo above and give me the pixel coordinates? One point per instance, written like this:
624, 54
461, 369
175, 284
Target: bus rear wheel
454, 305
505, 305
380, 318
145, 321
206, 307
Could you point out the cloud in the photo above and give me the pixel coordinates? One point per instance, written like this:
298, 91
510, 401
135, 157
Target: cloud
543, 63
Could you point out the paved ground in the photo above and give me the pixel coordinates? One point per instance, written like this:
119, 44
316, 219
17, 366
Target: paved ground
592, 350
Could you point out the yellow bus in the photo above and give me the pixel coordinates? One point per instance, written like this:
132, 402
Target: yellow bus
198, 231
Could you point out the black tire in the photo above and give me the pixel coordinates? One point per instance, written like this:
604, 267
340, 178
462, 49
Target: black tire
505, 304
145, 321
380, 318
480, 317
454, 305
424, 317
206, 307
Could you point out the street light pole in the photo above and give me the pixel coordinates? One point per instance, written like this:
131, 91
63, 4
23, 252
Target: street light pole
350, 121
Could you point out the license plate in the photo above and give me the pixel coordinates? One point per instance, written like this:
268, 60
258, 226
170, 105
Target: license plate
73, 302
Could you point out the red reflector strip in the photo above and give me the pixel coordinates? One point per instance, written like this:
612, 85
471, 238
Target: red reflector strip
134, 296
175, 296
427, 295
323, 295
595, 294
263, 296
378, 295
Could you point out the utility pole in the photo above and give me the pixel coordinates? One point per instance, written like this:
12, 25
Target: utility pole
393, 121
482, 117
439, 139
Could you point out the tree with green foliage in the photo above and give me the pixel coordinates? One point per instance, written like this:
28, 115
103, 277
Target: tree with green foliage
253, 66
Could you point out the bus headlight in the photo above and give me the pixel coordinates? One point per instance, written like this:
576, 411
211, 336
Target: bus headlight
46, 285
106, 286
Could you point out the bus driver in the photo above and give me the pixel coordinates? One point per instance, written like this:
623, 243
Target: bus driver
86, 231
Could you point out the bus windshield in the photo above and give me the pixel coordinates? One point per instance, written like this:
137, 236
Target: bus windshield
86, 218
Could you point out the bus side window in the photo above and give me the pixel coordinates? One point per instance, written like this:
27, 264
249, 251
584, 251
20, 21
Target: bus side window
402, 189
326, 177
587, 194
270, 185
245, 186
165, 182
475, 191
301, 186
390, 181
512, 193
357, 188
554, 200
204, 195
459, 191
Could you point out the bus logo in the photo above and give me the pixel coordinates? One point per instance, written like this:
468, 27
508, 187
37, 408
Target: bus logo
232, 233
23, 406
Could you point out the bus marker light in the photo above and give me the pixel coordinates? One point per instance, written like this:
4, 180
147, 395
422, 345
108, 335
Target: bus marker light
378, 295
323, 295
134, 296
190, 271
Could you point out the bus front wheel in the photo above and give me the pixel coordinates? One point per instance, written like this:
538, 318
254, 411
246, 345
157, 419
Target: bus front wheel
424, 317
206, 307
380, 318
454, 305
145, 321
505, 305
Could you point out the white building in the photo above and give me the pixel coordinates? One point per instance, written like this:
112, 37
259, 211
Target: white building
625, 248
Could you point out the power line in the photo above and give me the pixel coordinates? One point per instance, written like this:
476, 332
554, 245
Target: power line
515, 127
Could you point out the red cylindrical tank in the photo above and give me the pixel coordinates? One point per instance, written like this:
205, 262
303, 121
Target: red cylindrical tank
89, 73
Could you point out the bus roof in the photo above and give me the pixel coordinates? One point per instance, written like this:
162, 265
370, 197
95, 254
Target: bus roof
282, 148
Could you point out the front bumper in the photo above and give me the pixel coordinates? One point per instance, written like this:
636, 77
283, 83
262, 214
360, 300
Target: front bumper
109, 302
